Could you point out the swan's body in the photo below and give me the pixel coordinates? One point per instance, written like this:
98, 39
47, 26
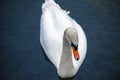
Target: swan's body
57, 32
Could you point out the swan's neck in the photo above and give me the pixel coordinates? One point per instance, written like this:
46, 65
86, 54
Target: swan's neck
66, 67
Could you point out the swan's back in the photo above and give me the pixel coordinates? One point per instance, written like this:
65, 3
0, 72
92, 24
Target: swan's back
54, 21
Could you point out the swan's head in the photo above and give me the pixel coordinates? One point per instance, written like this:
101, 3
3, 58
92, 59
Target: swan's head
72, 37
70, 46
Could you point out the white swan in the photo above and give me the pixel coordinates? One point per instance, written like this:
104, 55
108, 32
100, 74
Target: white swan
62, 39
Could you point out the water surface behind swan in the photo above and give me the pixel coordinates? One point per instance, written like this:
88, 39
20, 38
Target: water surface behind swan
21, 57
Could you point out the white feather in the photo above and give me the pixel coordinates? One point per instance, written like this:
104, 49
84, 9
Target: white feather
54, 21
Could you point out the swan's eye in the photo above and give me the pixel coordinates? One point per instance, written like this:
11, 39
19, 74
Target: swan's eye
75, 51
75, 46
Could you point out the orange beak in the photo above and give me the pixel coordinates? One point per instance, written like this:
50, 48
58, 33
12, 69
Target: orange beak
75, 53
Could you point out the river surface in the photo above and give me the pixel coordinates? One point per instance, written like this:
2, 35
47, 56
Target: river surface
22, 58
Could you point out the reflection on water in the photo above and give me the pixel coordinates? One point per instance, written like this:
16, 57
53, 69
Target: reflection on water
22, 58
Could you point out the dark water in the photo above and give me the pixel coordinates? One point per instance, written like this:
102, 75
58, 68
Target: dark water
21, 57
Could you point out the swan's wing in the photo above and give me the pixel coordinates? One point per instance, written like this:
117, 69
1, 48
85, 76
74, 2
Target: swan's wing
48, 37
54, 21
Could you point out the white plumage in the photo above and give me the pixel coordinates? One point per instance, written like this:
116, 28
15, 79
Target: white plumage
54, 21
